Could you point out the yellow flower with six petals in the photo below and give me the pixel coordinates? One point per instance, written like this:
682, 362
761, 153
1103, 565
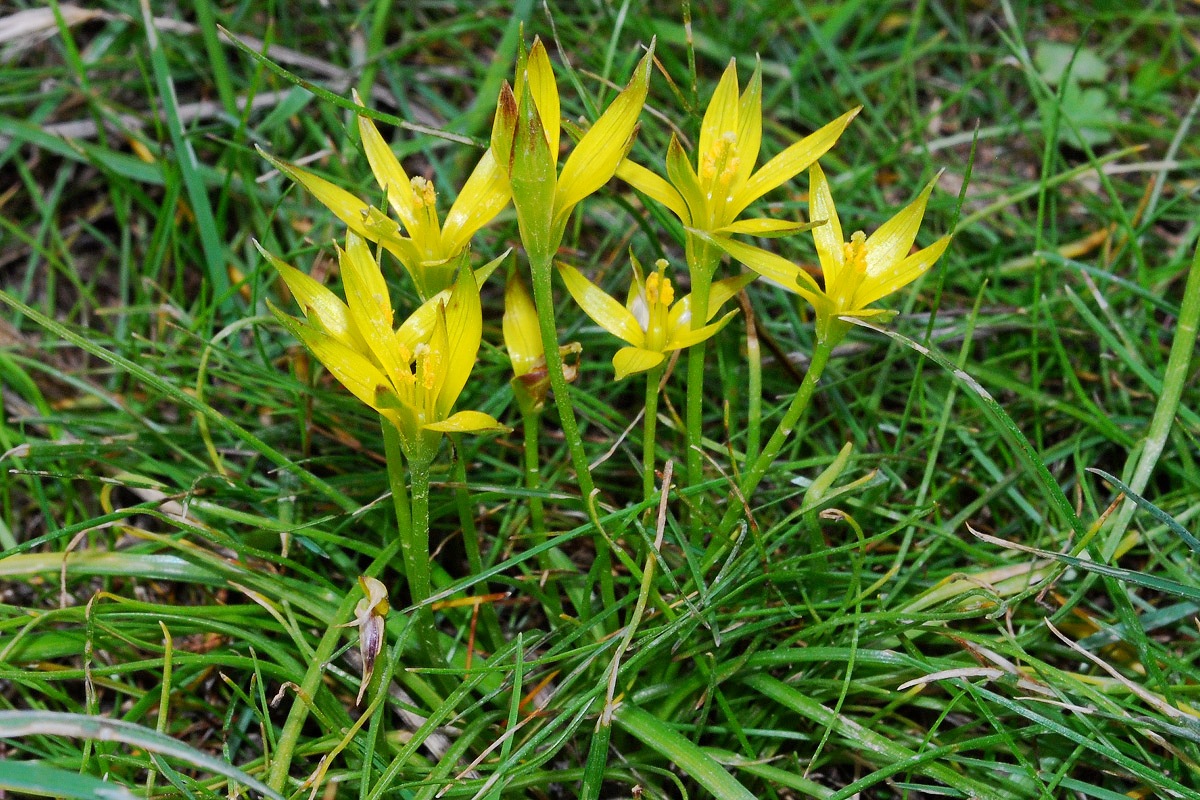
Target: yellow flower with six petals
411, 375
713, 195
651, 321
525, 143
430, 249
856, 272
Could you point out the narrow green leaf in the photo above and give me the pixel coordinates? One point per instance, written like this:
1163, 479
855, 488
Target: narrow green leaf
15, 724
693, 761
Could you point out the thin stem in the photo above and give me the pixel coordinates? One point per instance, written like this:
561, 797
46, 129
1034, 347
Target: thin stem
649, 425
702, 261
543, 299
753, 384
752, 477
412, 525
799, 405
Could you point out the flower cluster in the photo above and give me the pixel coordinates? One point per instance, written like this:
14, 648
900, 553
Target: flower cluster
413, 373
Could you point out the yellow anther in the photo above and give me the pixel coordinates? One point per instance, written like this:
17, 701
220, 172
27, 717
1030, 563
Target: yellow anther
424, 192
721, 159
428, 365
854, 252
652, 281
659, 290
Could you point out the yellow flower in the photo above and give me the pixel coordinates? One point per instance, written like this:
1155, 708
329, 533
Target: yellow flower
651, 321
431, 247
523, 340
711, 196
856, 272
411, 375
525, 142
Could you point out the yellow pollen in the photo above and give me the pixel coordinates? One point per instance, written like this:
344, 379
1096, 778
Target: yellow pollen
428, 364
854, 252
652, 281
424, 192
721, 159
406, 358
731, 168
659, 290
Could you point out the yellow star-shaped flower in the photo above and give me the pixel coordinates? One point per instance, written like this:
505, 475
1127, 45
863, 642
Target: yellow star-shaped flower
651, 321
411, 375
712, 196
856, 272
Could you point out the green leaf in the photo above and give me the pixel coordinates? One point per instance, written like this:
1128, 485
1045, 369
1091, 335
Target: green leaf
31, 778
1057, 61
15, 724
690, 759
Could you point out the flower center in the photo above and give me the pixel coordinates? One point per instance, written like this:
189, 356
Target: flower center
660, 294
428, 229
718, 168
854, 253
842, 287
659, 290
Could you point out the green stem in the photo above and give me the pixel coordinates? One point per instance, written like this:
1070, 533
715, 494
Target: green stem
1141, 462
753, 386
490, 623
543, 298
702, 260
649, 425
791, 418
412, 525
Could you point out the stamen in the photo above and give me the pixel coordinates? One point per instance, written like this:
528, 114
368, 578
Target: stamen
666, 292
424, 192
854, 253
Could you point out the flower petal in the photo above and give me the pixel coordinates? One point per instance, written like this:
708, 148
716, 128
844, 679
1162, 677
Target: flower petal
604, 310
902, 274
721, 116
345, 206
655, 187
467, 422
504, 127
719, 293
390, 176
683, 176
539, 74
749, 133
790, 162
828, 237
771, 266
351, 368
630, 360
371, 307
891, 242
686, 337
522, 333
324, 309
464, 329
483, 196
602, 149
762, 226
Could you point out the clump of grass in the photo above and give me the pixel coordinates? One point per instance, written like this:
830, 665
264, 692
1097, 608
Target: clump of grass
971, 573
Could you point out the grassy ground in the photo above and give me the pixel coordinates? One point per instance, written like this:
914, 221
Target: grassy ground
187, 499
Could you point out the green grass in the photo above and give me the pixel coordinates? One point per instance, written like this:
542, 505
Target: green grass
187, 499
